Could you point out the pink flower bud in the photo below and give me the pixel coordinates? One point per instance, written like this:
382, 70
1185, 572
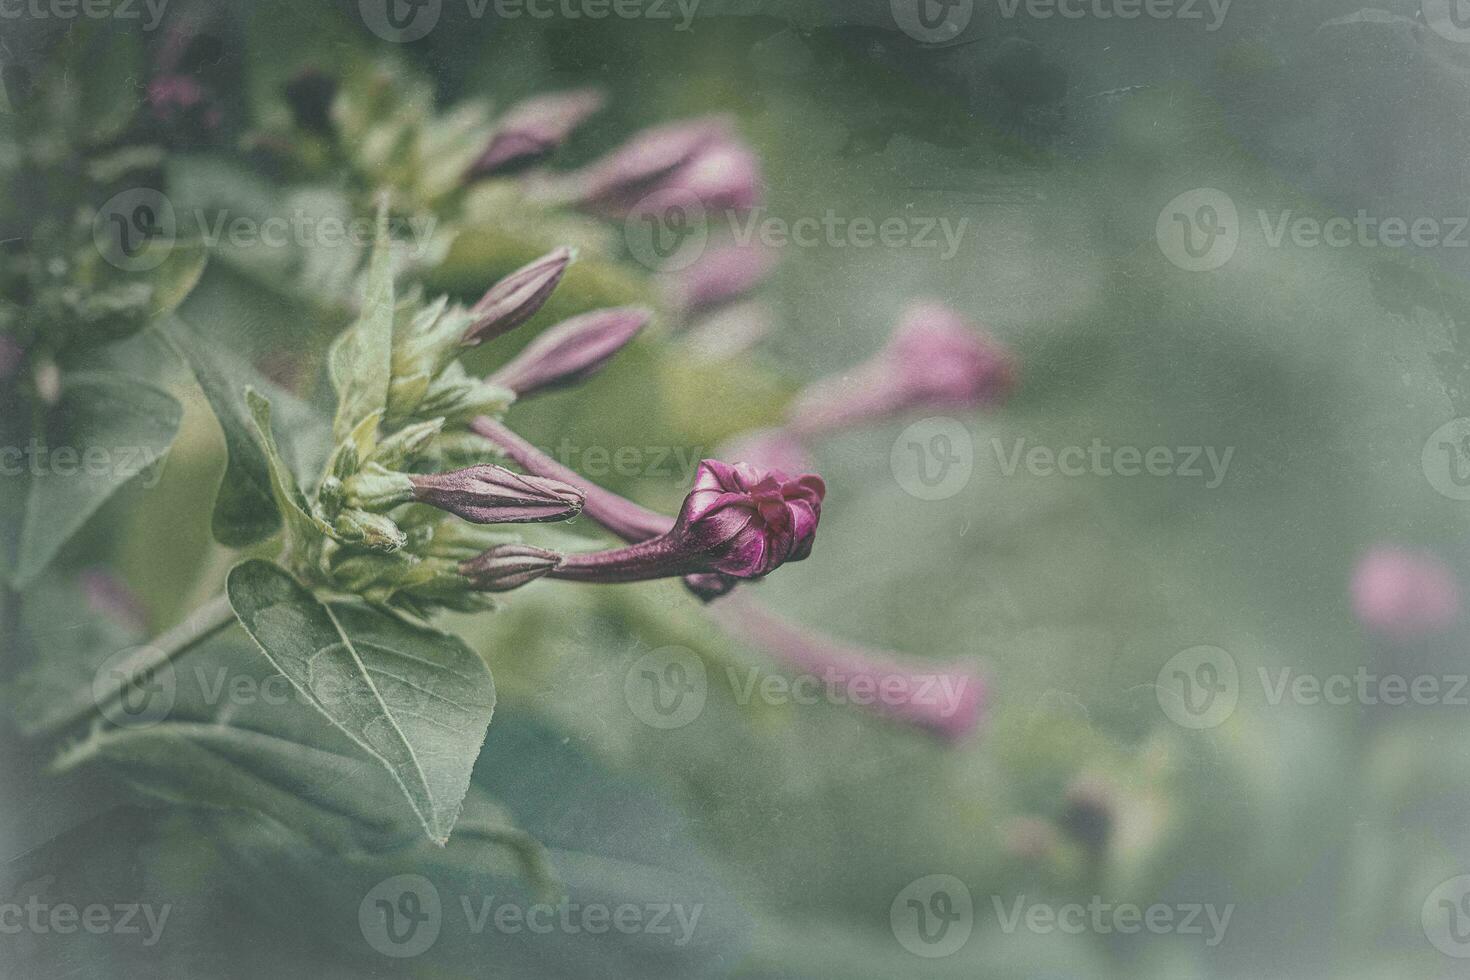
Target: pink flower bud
489, 494
533, 129
947, 700
737, 521
516, 298
1403, 595
571, 352
508, 566
720, 275
936, 361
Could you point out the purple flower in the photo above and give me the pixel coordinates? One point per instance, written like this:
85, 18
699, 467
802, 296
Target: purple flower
737, 521
533, 129
1404, 595
936, 360
720, 275
619, 515
947, 700
700, 157
508, 566
572, 351
516, 298
489, 494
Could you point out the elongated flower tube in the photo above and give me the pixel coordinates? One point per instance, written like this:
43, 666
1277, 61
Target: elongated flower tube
947, 700
489, 494
701, 157
936, 361
572, 351
737, 521
516, 298
618, 514
531, 130
1403, 595
508, 566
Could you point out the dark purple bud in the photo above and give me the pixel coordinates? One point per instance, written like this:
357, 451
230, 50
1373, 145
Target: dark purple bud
721, 275
737, 521
516, 298
531, 130
619, 515
947, 700
936, 361
508, 566
310, 93
572, 351
489, 494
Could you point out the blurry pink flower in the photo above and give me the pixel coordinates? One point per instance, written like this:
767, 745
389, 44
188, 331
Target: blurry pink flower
108, 596
720, 275
947, 700
531, 130
1404, 594
936, 361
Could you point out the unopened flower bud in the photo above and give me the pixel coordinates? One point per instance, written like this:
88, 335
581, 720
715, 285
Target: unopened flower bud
375, 487
1403, 594
531, 130
368, 530
572, 351
935, 361
407, 443
507, 567
489, 494
516, 298
720, 275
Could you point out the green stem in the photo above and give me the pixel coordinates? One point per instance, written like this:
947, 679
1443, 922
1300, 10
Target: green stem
209, 620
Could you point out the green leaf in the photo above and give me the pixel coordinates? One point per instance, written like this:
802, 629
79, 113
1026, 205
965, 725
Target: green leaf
177, 276
244, 509
361, 360
302, 526
115, 428
416, 699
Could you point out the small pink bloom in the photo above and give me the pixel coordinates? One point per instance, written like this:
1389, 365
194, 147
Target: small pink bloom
1404, 594
489, 494
572, 351
737, 521
947, 700
533, 129
936, 361
516, 298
